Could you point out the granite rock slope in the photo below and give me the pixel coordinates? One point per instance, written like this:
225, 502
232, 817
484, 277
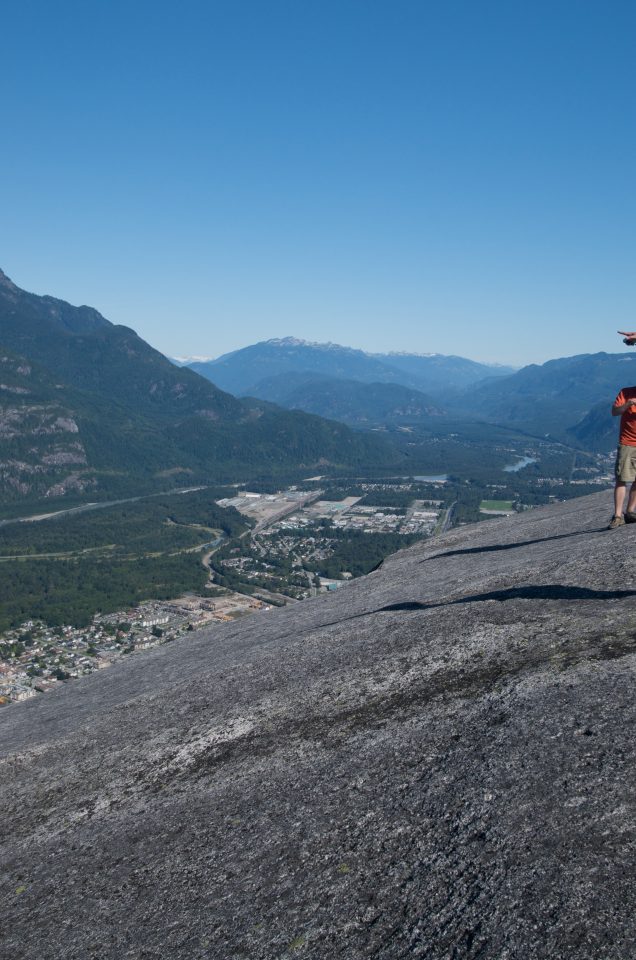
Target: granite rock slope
437, 761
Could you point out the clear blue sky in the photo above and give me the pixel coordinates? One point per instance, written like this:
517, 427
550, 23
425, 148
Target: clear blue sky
452, 176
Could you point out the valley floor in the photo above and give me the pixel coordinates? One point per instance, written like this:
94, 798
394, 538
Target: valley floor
74, 590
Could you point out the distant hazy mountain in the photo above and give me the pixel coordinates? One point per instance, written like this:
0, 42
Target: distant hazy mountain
187, 361
557, 395
598, 430
349, 401
241, 371
87, 406
438, 373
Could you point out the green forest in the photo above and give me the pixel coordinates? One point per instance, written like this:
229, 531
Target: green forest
166, 522
359, 553
139, 551
72, 591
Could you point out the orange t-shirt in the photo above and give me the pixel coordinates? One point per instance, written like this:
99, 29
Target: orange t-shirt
627, 435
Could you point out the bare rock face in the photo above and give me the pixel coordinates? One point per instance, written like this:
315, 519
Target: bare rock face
36, 449
437, 761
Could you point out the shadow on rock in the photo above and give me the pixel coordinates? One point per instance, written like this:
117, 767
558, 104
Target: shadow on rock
555, 591
549, 591
497, 547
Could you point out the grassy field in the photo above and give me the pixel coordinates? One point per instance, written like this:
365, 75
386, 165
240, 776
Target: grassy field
495, 505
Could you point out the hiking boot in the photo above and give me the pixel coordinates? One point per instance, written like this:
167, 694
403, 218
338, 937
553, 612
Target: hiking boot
630, 517
617, 522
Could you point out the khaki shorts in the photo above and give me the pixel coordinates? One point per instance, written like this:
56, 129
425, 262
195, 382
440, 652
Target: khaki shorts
625, 468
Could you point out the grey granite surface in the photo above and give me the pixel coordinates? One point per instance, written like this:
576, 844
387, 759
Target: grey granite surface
436, 761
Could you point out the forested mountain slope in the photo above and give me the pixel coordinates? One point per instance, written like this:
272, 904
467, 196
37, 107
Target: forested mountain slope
597, 430
89, 407
556, 395
439, 760
350, 401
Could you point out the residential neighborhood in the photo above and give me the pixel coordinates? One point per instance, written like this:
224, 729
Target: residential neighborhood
34, 658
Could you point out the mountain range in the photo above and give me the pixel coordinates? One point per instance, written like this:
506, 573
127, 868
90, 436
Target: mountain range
242, 372
554, 399
88, 407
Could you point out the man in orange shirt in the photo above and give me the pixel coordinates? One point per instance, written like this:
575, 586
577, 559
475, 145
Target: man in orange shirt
625, 407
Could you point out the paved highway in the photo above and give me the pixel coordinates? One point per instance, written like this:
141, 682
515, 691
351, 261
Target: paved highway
96, 506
